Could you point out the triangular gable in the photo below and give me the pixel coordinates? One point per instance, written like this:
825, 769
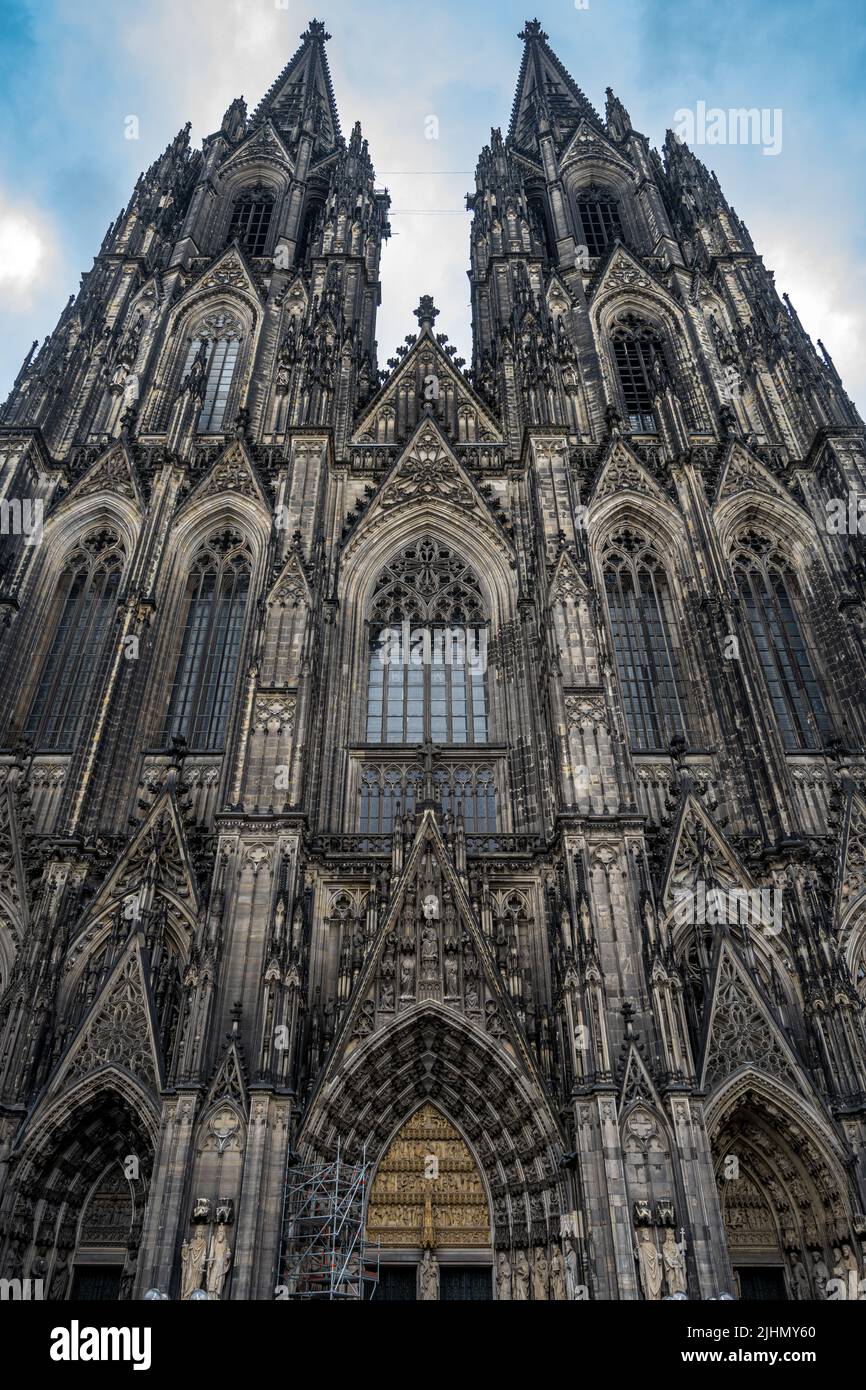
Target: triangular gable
567, 582
228, 1083
430, 952
440, 364
427, 472
622, 271
637, 1084
698, 851
113, 471
232, 471
544, 87
263, 143
291, 585
158, 853
740, 1030
622, 471
229, 270
588, 142
119, 1030
742, 471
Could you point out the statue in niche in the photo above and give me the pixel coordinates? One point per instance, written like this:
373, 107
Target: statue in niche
520, 1276
429, 954
852, 1271
428, 1277
572, 1273
558, 1288
407, 975
820, 1274
219, 1263
674, 1261
451, 981
540, 1273
193, 1257
503, 1276
649, 1264
801, 1277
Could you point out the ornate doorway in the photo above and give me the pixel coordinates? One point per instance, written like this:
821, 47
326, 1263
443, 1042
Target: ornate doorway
428, 1211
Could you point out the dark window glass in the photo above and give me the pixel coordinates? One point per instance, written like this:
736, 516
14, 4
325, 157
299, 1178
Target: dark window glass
598, 212
251, 220
642, 369
87, 602
216, 599
221, 355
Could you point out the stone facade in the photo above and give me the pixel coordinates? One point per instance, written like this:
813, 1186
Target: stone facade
582, 910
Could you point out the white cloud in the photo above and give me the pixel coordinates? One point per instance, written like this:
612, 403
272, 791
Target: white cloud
27, 243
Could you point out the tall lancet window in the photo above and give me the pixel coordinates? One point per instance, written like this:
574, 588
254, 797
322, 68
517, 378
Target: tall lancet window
646, 643
774, 606
598, 212
251, 219
642, 369
86, 606
211, 360
428, 650
210, 643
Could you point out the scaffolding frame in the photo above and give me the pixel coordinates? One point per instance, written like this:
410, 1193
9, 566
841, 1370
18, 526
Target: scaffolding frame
325, 1253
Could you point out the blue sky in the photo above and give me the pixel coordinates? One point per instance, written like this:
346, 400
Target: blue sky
71, 74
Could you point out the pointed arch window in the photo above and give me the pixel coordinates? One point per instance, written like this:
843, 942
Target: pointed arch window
598, 213
646, 643
642, 370
86, 606
251, 219
771, 597
213, 623
209, 370
427, 673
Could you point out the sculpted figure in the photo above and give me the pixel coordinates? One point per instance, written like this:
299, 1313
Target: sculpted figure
540, 1273
820, 1274
428, 1277
649, 1264
503, 1276
193, 1255
674, 1260
558, 1289
520, 1276
801, 1279
220, 1263
852, 1271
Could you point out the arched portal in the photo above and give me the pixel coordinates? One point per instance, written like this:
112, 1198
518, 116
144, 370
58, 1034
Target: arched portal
77, 1190
782, 1196
429, 1216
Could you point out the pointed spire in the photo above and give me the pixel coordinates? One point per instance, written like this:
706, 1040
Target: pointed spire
547, 97
303, 93
617, 118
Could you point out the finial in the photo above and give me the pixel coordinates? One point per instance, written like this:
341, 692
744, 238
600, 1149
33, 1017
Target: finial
426, 313
532, 30
315, 30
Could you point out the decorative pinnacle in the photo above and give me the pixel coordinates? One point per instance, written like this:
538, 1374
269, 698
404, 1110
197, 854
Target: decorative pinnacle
426, 313
532, 30
315, 30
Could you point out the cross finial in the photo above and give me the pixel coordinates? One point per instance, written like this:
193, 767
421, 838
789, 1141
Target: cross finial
426, 313
532, 30
315, 30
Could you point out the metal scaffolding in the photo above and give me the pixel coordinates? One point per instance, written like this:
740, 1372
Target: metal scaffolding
325, 1255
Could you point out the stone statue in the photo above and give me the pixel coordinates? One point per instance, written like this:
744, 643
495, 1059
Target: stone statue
540, 1273
451, 982
428, 1277
219, 1264
503, 1276
820, 1274
852, 1271
193, 1256
520, 1277
801, 1279
572, 1272
674, 1261
649, 1264
558, 1290
407, 976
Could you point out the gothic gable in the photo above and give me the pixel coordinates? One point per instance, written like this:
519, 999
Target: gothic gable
740, 1031
698, 853
622, 271
157, 856
427, 474
229, 270
637, 1084
233, 471
291, 586
426, 363
622, 471
742, 471
588, 142
566, 582
430, 951
114, 472
851, 870
263, 144
120, 1029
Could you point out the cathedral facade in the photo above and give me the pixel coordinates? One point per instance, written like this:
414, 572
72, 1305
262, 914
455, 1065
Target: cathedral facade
433, 798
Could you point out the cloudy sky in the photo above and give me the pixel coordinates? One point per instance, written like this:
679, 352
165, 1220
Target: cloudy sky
72, 74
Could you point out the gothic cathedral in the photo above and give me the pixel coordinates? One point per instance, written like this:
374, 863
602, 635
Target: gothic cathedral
433, 799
